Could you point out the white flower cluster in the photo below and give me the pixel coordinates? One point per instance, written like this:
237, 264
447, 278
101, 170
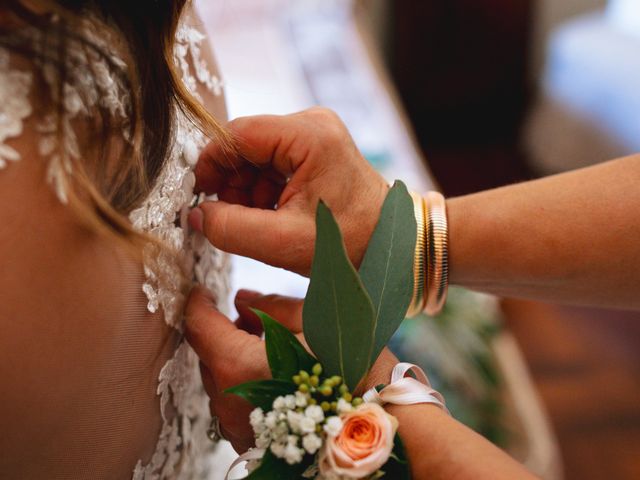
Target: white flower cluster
294, 427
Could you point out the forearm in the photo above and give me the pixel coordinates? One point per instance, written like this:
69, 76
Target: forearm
439, 447
571, 238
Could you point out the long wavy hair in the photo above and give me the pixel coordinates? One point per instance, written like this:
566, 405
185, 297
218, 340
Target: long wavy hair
111, 179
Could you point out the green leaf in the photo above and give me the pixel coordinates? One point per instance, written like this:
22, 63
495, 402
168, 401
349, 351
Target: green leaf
262, 393
397, 468
286, 354
338, 313
387, 267
273, 467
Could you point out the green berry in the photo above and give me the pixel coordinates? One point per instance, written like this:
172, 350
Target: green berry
304, 388
314, 381
336, 380
347, 396
357, 402
326, 391
313, 401
297, 379
317, 369
334, 406
326, 406
343, 389
304, 376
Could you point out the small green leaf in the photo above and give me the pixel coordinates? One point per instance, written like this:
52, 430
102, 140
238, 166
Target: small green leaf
338, 313
272, 468
387, 267
286, 354
262, 393
397, 467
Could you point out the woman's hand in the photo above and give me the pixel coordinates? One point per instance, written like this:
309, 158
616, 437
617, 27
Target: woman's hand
315, 150
231, 354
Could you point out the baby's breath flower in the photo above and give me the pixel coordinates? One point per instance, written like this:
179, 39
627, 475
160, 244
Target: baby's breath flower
344, 406
290, 402
271, 420
294, 419
256, 419
293, 454
277, 448
279, 403
315, 413
301, 399
263, 440
280, 431
311, 443
333, 426
307, 425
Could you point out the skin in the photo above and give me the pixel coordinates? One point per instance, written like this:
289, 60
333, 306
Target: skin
231, 353
568, 238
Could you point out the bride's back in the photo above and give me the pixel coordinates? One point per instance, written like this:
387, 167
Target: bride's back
95, 378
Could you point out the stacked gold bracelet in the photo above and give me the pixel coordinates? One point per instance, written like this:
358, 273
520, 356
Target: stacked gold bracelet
431, 262
419, 261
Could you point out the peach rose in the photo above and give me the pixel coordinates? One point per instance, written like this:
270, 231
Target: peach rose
363, 445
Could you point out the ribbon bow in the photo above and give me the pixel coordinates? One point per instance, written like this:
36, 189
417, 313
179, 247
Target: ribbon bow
405, 390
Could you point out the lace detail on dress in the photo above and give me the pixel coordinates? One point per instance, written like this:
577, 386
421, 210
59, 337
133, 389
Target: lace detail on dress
189, 40
14, 106
182, 442
183, 428
85, 88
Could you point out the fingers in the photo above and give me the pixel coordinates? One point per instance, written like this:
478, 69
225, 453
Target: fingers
283, 143
279, 238
286, 310
212, 335
261, 140
247, 320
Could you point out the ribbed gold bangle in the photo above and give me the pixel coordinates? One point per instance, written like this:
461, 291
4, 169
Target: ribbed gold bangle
437, 236
419, 262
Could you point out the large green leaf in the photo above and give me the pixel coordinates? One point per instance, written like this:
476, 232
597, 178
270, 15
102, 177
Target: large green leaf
273, 468
387, 267
338, 313
286, 354
262, 393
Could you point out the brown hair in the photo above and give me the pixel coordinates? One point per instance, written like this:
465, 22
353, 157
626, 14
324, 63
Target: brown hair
112, 179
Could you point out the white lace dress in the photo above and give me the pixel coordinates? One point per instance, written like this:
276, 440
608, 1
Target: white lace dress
175, 445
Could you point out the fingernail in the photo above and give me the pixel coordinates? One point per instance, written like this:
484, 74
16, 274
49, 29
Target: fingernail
196, 219
245, 296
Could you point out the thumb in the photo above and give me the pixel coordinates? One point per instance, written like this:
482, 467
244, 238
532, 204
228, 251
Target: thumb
280, 238
211, 334
286, 310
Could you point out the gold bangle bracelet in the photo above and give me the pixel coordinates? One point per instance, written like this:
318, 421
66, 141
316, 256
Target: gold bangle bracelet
437, 236
419, 262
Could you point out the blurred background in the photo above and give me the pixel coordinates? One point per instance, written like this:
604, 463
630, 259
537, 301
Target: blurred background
468, 95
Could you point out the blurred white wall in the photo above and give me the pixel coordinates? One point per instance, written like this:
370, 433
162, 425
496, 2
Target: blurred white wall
548, 15
625, 15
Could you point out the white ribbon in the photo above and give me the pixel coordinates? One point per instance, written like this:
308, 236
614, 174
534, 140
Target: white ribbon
253, 454
406, 390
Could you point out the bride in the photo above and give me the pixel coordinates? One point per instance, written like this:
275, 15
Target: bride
104, 106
